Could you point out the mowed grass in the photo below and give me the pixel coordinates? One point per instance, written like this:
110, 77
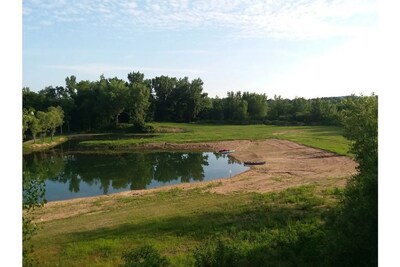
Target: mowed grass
174, 222
324, 137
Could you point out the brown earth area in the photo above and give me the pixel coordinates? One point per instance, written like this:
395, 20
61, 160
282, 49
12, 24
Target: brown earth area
288, 164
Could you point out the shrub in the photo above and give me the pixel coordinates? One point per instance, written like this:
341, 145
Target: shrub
145, 256
298, 244
220, 254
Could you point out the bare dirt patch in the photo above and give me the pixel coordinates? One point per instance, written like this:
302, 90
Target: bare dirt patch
288, 164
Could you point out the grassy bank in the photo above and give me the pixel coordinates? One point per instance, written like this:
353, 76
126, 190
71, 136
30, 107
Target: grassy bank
324, 137
175, 222
31, 146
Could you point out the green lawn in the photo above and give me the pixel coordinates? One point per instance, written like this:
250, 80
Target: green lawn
323, 137
175, 222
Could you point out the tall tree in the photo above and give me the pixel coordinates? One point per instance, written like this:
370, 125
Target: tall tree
235, 107
35, 127
196, 99
44, 123
26, 120
300, 109
135, 77
163, 87
71, 85
117, 97
55, 119
257, 105
138, 99
356, 233
279, 108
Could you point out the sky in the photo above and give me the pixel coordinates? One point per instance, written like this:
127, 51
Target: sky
301, 48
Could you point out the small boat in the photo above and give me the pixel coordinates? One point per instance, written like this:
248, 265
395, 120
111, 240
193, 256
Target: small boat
254, 162
226, 151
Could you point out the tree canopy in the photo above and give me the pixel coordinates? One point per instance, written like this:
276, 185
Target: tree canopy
101, 105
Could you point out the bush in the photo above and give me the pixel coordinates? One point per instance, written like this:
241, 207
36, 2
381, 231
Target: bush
145, 256
298, 244
219, 254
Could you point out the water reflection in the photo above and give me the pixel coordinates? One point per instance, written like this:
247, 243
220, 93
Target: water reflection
93, 174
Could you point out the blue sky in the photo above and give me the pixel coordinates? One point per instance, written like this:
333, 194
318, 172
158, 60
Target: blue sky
289, 48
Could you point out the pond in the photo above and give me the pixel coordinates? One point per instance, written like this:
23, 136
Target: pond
68, 174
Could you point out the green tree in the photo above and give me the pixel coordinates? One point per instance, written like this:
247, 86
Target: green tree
33, 198
163, 87
217, 112
356, 231
323, 111
27, 116
71, 85
117, 96
86, 101
32, 99
135, 77
44, 123
300, 109
35, 128
195, 98
55, 119
257, 105
279, 109
138, 99
235, 107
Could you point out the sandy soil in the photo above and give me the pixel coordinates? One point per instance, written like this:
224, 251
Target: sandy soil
287, 165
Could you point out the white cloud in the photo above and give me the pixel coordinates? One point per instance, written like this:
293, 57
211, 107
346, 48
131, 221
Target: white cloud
294, 19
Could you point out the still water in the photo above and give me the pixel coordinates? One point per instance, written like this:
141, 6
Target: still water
69, 174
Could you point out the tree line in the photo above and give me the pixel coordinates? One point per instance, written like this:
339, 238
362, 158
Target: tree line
107, 102
41, 122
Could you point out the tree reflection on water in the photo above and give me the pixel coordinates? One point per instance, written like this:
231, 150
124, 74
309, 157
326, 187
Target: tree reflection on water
134, 170
119, 170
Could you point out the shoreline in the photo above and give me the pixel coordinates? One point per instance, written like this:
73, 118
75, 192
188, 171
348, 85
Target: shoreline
288, 164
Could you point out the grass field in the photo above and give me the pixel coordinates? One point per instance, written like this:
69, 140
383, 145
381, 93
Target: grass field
323, 137
175, 222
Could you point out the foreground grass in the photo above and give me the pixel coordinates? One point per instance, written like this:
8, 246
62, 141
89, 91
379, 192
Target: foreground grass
175, 222
324, 137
